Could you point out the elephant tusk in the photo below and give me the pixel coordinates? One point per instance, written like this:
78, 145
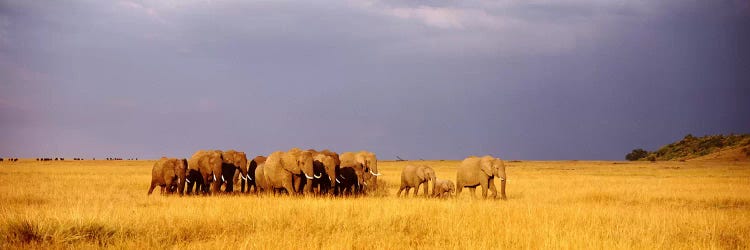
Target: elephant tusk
337, 180
187, 180
243, 178
502, 179
342, 177
215, 177
318, 176
248, 177
364, 183
307, 176
222, 179
375, 173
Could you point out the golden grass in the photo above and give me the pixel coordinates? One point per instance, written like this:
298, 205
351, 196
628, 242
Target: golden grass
557, 205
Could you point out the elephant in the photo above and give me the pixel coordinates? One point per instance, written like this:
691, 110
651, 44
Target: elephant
211, 164
443, 188
352, 171
481, 171
232, 162
168, 173
324, 168
194, 178
281, 169
207, 163
250, 180
261, 182
413, 176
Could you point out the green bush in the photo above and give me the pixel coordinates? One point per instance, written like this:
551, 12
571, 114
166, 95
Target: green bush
636, 154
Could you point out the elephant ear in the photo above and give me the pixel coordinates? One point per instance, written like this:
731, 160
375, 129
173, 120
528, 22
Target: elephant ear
421, 173
486, 165
360, 159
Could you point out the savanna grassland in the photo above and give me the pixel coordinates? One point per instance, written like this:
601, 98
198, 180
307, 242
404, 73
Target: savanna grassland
551, 205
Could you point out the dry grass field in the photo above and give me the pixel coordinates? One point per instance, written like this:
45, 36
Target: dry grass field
551, 205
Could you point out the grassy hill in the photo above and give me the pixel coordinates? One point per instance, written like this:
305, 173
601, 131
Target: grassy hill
710, 147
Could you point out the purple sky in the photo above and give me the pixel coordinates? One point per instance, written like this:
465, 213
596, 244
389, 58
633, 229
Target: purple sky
519, 79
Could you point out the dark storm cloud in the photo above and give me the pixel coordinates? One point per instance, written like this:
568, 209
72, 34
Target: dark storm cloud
577, 79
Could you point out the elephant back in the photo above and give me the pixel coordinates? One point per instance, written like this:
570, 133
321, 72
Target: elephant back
204, 158
348, 159
158, 169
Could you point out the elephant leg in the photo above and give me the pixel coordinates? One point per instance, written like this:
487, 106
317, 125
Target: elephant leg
151, 189
289, 186
485, 185
493, 189
426, 191
161, 189
230, 186
206, 186
484, 190
296, 182
416, 189
190, 188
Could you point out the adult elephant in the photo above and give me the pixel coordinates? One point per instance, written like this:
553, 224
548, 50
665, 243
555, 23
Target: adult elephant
324, 168
352, 171
168, 173
194, 179
261, 182
208, 164
250, 180
211, 163
413, 176
481, 171
233, 161
281, 168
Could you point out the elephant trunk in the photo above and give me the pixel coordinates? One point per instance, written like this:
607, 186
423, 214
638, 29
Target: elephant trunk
181, 184
502, 186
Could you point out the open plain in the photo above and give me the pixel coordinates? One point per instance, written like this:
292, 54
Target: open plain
550, 205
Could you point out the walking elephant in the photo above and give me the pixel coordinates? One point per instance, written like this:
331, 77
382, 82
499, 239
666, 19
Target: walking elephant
250, 181
208, 164
233, 161
481, 171
281, 168
352, 171
443, 188
194, 179
261, 182
413, 176
168, 173
324, 168
217, 165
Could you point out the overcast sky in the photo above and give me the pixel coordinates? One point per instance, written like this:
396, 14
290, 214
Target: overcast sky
518, 79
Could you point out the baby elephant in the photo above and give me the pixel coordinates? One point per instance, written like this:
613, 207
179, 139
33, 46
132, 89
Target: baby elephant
444, 188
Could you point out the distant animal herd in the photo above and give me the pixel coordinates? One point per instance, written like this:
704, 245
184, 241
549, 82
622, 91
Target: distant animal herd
75, 159
312, 172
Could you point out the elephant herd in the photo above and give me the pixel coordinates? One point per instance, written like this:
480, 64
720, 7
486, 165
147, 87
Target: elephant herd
473, 172
311, 172
292, 172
